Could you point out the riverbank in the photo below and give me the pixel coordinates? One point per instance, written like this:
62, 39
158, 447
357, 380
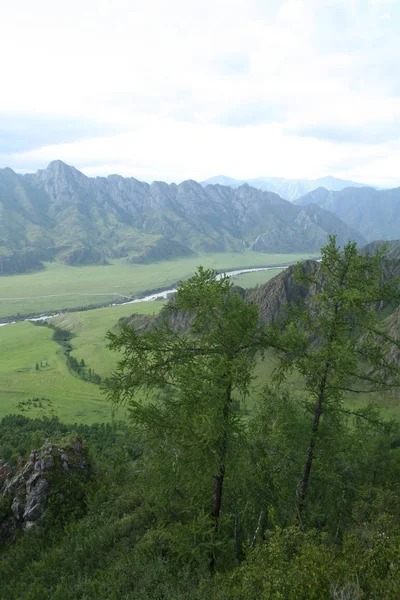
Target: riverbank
157, 294
60, 287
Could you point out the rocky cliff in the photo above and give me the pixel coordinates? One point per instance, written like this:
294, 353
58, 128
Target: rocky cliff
52, 480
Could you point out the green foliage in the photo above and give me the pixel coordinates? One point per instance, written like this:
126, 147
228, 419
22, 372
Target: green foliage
149, 528
191, 423
338, 344
291, 565
19, 435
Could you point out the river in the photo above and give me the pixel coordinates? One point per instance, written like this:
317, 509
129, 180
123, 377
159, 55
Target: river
163, 295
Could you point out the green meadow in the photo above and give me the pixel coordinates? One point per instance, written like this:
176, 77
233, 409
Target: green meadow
53, 389
249, 280
90, 328
73, 400
60, 286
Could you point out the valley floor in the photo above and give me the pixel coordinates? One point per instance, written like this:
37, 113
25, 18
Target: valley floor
60, 286
52, 389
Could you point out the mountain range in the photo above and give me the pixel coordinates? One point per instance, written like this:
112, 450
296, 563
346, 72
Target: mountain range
58, 213
290, 189
374, 213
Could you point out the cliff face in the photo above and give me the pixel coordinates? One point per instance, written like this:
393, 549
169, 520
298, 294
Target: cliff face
51, 480
272, 297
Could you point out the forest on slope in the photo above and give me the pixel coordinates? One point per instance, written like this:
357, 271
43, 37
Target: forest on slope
194, 499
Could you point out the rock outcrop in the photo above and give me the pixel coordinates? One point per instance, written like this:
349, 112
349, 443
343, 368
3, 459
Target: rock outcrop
51, 478
272, 297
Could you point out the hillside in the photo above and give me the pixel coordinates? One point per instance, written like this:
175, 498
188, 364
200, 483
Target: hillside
290, 189
274, 296
59, 213
392, 248
376, 213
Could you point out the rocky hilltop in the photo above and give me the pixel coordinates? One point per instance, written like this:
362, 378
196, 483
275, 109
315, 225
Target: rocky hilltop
50, 480
59, 213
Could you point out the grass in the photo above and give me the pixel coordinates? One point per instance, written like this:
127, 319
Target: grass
61, 286
70, 398
388, 403
90, 328
249, 280
73, 400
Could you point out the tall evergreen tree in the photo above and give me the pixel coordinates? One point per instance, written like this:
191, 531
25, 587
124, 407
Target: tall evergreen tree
200, 368
337, 342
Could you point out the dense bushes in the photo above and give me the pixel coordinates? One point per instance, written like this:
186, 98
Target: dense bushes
128, 546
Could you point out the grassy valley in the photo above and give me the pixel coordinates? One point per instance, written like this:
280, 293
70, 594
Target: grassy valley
58, 391
61, 286
66, 395
24, 344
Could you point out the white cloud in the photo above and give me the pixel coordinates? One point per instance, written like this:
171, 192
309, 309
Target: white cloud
205, 87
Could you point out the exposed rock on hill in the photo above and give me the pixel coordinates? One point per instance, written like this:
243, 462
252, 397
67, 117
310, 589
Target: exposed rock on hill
392, 248
50, 480
272, 297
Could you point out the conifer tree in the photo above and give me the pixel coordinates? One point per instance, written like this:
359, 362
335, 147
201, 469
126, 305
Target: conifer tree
200, 368
337, 341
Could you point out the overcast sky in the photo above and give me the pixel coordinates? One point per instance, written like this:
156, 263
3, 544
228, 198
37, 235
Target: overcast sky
178, 89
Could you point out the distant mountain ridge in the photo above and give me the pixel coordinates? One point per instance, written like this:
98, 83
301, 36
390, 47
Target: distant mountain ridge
290, 189
59, 213
375, 213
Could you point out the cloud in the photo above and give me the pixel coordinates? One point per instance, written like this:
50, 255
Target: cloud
370, 134
189, 89
22, 132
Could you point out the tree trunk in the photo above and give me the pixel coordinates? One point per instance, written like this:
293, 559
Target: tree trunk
317, 416
311, 445
220, 474
223, 446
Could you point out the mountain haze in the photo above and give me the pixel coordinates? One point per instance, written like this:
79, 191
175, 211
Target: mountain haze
375, 213
61, 214
290, 189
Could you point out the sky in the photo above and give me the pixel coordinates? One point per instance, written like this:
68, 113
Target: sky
179, 89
